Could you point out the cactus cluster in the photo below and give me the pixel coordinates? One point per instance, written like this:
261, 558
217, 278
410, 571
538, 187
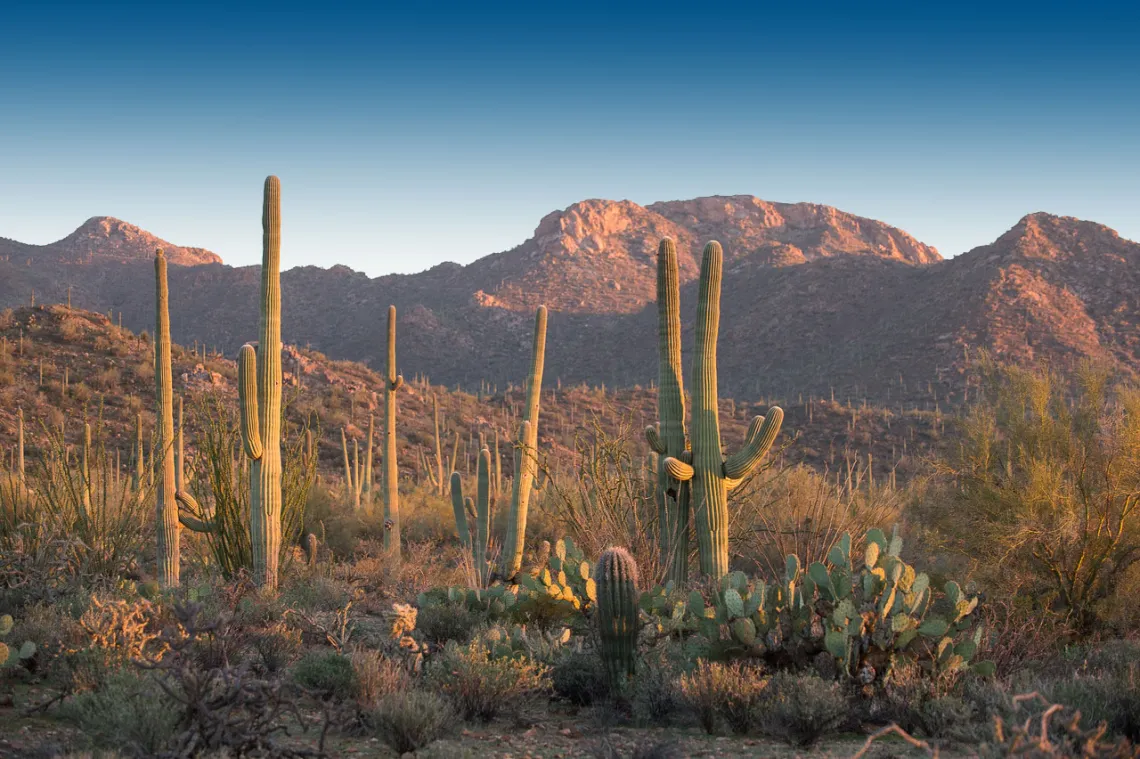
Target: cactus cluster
701, 473
480, 511
358, 474
564, 587
866, 614
13, 654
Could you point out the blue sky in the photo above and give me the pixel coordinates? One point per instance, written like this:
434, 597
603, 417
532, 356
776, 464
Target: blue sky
408, 137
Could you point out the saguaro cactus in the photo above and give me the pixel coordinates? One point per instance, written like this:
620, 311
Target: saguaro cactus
392, 383
259, 392
480, 510
669, 438
711, 474
21, 479
528, 447
366, 485
166, 507
616, 577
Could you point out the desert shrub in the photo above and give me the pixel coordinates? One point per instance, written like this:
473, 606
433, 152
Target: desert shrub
411, 720
315, 592
579, 677
655, 695
1042, 495
278, 647
477, 685
130, 713
377, 676
445, 622
222, 493
799, 511
1105, 697
70, 329
952, 718
800, 709
723, 691
328, 673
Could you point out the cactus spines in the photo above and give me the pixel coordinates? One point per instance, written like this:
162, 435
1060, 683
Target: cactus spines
528, 454
166, 507
616, 578
392, 383
669, 438
710, 473
260, 401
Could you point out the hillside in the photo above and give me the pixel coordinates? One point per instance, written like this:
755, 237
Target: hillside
817, 301
109, 377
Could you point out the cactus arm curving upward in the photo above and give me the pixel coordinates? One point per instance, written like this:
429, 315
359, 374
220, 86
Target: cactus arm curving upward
528, 448
392, 383
761, 434
348, 485
458, 506
247, 392
166, 508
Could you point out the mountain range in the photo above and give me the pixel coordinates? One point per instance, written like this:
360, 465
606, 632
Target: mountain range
816, 300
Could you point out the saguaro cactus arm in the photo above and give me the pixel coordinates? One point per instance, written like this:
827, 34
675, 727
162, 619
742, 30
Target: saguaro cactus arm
653, 437
190, 522
677, 469
247, 396
457, 505
762, 433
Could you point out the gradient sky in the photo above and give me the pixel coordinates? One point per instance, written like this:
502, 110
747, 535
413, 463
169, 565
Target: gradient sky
408, 137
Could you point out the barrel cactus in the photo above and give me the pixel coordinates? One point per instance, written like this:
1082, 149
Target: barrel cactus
616, 578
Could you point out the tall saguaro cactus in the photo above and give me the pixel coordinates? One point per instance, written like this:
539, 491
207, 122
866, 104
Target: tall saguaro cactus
166, 507
392, 383
527, 454
710, 473
668, 438
259, 392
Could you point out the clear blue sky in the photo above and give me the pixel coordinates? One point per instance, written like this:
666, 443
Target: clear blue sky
404, 138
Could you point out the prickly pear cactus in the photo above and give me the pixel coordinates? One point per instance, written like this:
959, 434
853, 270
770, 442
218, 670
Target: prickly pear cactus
10, 655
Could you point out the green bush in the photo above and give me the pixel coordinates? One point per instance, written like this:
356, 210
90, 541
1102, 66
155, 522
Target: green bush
129, 712
446, 622
800, 709
327, 672
278, 647
411, 720
479, 686
655, 696
377, 676
579, 677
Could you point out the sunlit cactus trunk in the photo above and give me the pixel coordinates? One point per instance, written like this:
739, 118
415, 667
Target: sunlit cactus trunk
392, 383
711, 474
366, 482
166, 507
527, 456
669, 437
259, 392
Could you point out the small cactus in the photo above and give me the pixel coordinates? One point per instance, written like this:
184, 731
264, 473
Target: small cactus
616, 578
